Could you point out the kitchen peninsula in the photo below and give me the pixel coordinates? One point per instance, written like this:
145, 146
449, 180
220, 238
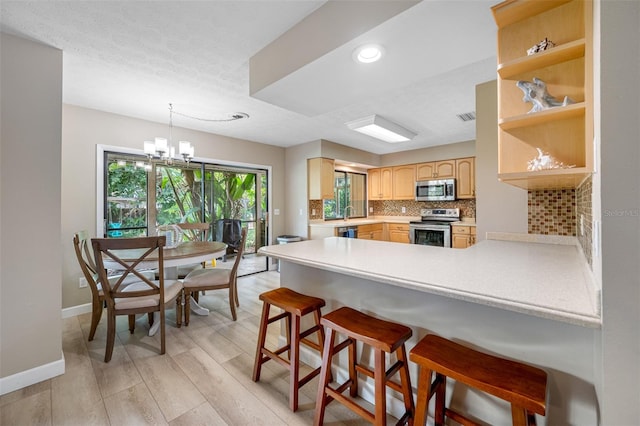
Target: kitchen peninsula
535, 302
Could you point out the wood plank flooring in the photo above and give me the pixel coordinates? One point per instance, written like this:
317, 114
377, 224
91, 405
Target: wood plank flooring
203, 379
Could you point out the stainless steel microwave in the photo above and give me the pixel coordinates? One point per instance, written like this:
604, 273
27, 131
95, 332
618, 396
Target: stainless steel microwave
436, 190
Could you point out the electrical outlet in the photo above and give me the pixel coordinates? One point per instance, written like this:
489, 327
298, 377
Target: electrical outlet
404, 210
581, 224
370, 209
313, 212
83, 282
300, 212
276, 212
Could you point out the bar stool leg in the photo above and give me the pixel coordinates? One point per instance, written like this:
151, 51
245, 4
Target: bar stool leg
323, 399
441, 388
353, 375
294, 364
520, 416
262, 336
405, 382
422, 399
380, 388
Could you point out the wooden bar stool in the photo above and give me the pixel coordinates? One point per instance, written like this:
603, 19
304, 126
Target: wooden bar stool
524, 386
382, 336
295, 306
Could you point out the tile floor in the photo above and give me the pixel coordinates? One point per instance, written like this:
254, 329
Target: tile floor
203, 379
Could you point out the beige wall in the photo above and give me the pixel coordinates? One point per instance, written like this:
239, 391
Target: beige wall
83, 129
296, 187
30, 258
620, 182
499, 207
435, 153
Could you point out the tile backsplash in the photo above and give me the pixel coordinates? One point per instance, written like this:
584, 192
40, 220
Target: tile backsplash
559, 212
394, 207
412, 208
552, 212
584, 211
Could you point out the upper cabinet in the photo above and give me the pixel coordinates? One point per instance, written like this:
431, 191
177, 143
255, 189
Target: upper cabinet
565, 133
465, 178
320, 173
380, 183
436, 170
404, 182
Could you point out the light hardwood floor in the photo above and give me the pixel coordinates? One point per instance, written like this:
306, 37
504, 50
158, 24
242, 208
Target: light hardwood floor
203, 379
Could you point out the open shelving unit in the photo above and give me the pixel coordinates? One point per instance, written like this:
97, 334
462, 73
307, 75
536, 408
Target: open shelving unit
564, 132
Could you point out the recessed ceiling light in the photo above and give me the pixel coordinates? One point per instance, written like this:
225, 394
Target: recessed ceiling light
368, 53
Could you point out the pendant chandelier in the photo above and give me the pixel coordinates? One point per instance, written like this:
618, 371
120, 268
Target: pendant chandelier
164, 149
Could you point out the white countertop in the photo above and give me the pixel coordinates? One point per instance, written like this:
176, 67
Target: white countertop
546, 280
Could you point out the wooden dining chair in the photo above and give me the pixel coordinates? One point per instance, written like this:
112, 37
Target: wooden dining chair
196, 231
215, 279
84, 254
142, 296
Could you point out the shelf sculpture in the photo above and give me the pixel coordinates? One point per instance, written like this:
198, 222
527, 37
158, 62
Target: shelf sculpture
541, 47
536, 93
545, 162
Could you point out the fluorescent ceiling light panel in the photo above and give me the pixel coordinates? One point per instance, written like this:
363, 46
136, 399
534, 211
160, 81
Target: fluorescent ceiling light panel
381, 128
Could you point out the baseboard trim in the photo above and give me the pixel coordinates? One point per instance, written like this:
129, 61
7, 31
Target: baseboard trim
76, 310
30, 377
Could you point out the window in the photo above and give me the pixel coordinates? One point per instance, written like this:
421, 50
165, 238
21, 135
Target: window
142, 194
349, 198
126, 198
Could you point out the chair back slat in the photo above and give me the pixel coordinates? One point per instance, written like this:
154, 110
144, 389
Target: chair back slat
197, 231
135, 251
243, 239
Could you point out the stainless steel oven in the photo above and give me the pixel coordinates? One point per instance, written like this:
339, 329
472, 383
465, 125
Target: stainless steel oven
435, 227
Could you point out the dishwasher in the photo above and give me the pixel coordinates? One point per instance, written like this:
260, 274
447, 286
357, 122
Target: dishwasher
347, 231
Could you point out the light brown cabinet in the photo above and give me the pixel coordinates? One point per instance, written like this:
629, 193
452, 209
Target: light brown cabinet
465, 178
564, 132
404, 182
436, 170
371, 232
320, 178
380, 183
463, 236
398, 232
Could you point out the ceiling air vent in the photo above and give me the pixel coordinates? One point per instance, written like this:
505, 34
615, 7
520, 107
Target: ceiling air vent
467, 116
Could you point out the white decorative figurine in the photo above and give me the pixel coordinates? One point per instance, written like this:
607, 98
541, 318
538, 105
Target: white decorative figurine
536, 93
541, 47
545, 162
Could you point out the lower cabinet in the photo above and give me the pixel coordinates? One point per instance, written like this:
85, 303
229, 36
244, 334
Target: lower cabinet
371, 231
463, 236
398, 232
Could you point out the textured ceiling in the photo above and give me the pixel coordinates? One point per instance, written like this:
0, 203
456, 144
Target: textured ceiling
133, 58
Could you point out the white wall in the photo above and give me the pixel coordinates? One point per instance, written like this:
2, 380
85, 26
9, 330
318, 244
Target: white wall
499, 207
620, 194
296, 187
84, 128
30, 258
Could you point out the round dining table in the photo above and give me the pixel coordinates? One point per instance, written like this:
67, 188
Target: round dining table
187, 253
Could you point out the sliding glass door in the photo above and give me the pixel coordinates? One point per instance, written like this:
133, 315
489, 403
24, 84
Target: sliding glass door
141, 195
237, 198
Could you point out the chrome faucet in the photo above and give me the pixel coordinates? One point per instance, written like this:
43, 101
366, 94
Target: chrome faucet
346, 216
